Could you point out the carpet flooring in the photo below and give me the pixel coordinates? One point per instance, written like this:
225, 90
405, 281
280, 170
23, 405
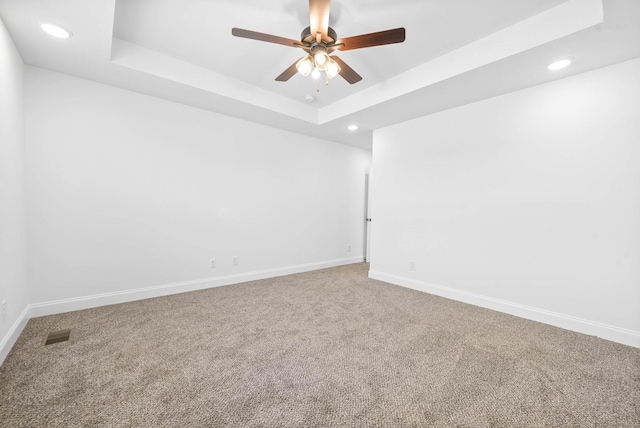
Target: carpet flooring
319, 349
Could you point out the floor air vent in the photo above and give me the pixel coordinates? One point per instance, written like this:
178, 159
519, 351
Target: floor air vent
58, 336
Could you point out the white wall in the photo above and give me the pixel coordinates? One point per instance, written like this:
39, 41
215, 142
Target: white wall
13, 259
527, 203
129, 191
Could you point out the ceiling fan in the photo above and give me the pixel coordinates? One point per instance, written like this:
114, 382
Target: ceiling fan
319, 41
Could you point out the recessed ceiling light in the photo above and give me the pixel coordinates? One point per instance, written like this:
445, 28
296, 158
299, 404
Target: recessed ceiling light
56, 31
352, 127
558, 65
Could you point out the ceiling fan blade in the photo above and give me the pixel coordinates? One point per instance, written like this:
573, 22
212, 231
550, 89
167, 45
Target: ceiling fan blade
347, 72
248, 34
319, 17
289, 72
386, 37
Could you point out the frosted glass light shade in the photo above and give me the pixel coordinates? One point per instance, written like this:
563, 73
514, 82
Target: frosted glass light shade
305, 65
333, 69
321, 59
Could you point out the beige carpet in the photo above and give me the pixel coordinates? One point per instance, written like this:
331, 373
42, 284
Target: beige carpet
325, 348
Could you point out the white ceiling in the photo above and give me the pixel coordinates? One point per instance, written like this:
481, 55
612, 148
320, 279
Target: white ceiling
456, 52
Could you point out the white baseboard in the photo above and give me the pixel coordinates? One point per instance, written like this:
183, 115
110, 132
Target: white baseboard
604, 331
95, 300
12, 335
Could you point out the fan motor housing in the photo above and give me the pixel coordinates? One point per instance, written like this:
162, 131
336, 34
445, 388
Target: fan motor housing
310, 39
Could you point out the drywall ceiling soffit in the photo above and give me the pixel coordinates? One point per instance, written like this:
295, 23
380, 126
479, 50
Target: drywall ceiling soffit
183, 51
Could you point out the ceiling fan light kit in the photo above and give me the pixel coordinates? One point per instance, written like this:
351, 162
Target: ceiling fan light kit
319, 41
318, 63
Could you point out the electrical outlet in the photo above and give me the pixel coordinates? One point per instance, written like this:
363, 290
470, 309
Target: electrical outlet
213, 264
348, 248
236, 260
4, 310
412, 265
